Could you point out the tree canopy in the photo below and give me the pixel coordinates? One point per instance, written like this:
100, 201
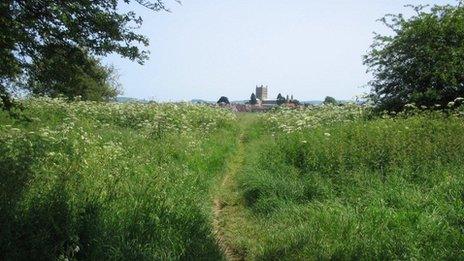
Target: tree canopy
330, 100
280, 99
72, 73
35, 34
253, 100
223, 99
422, 62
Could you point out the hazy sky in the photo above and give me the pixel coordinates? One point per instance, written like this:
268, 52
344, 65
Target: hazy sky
209, 48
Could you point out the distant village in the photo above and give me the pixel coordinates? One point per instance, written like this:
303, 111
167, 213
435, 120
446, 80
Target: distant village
259, 101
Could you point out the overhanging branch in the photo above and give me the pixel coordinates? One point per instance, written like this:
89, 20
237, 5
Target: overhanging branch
156, 5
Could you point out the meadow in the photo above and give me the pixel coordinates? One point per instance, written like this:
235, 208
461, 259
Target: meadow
88, 180
342, 183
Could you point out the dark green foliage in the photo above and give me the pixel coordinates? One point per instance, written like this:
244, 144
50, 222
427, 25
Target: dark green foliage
224, 100
36, 35
6, 101
253, 100
280, 99
72, 73
422, 62
330, 101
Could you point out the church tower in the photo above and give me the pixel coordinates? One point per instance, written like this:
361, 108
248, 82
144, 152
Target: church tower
261, 92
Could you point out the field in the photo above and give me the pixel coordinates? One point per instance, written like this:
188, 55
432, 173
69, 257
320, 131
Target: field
86, 180
338, 183
109, 181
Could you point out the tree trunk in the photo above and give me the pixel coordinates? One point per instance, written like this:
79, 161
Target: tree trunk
7, 101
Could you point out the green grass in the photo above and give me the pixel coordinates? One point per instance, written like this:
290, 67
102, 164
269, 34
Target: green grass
379, 189
101, 181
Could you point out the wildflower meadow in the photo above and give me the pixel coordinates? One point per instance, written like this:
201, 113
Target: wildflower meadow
91, 180
87, 180
340, 182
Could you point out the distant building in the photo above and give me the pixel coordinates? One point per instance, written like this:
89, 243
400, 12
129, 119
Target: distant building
261, 93
269, 103
264, 102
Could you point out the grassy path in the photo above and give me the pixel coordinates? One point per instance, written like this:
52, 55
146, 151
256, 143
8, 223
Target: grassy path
228, 211
222, 205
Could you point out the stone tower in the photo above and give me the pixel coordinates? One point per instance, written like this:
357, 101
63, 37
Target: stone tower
261, 92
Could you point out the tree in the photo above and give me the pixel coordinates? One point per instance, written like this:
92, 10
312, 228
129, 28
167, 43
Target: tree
28, 29
253, 100
329, 101
223, 99
422, 62
280, 99
72, 73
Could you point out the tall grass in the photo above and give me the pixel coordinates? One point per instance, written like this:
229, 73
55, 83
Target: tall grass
109, 181
100, 181
385, 188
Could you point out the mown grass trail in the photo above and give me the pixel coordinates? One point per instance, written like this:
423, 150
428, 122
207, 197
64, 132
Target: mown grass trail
230, 252
226, 208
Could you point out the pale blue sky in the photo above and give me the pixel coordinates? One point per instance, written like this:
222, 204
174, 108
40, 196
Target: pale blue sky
209, 48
